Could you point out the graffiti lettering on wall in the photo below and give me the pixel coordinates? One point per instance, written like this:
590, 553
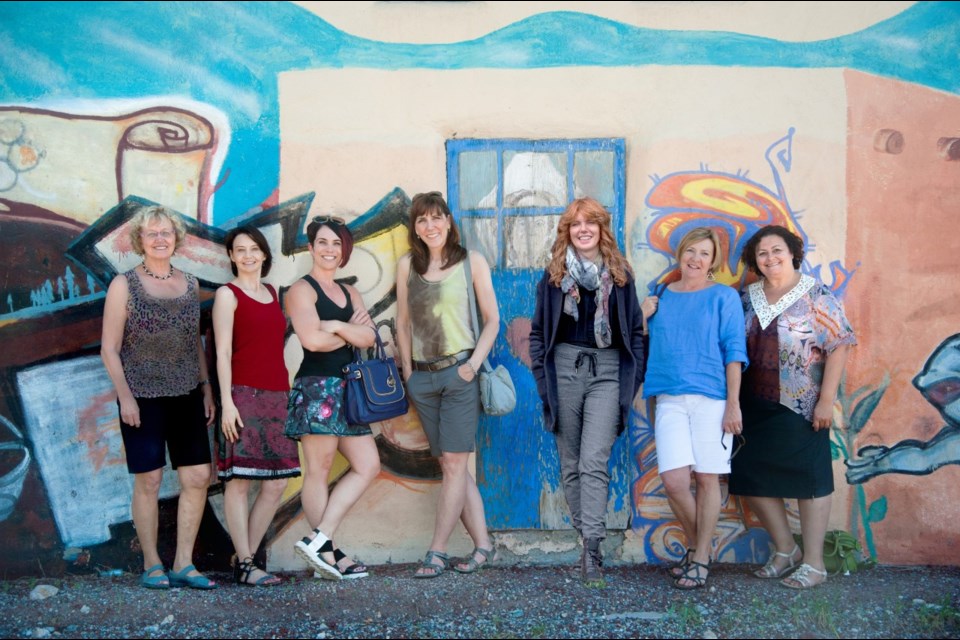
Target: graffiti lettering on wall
730, 203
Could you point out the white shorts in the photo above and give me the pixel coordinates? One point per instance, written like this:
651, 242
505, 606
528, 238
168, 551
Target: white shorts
689, 432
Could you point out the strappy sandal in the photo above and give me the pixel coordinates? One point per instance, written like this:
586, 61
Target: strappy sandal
243, 569
183, 579
677, 568
310, 550
472, 565
769, 570
155, 582
803, 577
354, 570
693, 574
436, 570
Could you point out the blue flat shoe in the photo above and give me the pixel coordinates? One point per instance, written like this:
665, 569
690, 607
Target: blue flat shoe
181, 579
154, 582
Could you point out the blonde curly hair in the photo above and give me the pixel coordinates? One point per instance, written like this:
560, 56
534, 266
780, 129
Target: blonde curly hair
149, 215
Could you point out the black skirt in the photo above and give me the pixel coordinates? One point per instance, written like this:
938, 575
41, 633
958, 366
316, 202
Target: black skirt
782, 456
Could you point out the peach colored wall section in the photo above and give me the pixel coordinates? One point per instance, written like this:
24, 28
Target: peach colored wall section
904, 299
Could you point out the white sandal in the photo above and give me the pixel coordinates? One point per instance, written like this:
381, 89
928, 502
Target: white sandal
769, 570
803, 576
310, 550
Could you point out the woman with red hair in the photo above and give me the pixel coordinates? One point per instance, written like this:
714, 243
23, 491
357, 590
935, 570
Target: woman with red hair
586, 346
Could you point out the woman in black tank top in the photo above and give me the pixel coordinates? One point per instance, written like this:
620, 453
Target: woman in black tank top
329, 319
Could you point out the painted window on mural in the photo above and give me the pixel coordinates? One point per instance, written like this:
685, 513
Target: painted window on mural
507, 195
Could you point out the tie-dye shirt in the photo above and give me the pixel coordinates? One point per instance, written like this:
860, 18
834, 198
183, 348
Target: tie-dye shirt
788, 343
440, 315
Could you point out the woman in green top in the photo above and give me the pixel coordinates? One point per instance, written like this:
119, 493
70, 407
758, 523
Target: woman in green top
440, 359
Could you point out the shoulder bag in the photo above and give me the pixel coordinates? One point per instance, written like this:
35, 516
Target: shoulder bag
374, 389
497, 392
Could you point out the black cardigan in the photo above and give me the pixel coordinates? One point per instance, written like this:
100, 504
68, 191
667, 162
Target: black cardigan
543, 333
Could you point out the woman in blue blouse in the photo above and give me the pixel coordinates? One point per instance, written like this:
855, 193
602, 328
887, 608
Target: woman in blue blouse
697, 352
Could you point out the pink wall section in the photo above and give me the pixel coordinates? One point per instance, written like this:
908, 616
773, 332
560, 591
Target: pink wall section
904, 300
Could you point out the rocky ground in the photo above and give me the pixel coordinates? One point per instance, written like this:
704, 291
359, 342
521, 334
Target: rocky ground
508, 602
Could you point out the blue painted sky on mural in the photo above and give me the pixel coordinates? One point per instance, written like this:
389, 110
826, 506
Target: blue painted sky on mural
51, 52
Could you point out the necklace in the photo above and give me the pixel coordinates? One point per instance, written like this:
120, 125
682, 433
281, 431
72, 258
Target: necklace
153, 275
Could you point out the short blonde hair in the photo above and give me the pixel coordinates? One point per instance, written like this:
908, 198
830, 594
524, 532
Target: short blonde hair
149, 215
697, 235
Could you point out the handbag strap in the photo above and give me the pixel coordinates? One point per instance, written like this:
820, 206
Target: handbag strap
472, 296
380, 352
658, 292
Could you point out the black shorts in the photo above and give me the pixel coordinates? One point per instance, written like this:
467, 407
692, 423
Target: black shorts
177, 422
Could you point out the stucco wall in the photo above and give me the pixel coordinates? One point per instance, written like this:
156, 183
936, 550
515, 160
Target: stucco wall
730, 114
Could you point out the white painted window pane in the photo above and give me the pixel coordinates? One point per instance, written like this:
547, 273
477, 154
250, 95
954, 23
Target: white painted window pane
478, 178
593, 176
480, 234
534, 179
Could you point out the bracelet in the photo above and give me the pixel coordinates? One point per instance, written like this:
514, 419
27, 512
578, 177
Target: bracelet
203, 382
472, 368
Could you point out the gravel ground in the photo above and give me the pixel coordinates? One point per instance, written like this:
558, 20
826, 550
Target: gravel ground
508, 602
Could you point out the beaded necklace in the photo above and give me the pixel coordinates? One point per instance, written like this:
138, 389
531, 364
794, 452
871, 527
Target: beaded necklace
153, 275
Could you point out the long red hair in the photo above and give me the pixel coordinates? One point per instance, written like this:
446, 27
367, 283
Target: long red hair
592, 211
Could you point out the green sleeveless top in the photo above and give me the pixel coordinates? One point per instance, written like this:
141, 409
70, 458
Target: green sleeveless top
440, 315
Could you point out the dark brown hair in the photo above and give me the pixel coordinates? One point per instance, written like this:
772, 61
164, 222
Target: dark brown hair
260, 241
338, 227
592, 211
793, 241
453, 252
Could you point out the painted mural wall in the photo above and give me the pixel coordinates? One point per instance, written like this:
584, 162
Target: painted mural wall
839, 122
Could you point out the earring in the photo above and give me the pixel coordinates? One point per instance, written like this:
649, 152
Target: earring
710, 276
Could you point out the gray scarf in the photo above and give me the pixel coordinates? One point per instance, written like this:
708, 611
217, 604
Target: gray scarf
592, 277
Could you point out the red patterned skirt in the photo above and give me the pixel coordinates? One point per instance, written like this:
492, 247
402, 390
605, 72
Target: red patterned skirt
262, 452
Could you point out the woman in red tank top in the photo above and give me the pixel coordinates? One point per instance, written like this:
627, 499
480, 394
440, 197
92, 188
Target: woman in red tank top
249, 326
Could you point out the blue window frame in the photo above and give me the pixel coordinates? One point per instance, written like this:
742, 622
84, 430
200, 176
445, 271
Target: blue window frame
507, 194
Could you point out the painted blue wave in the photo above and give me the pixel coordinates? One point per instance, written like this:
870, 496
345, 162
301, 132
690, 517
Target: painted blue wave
228, 54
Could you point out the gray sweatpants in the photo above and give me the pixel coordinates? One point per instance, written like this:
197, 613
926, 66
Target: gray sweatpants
588, 385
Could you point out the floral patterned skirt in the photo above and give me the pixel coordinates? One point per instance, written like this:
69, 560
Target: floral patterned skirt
316, 408
261, 452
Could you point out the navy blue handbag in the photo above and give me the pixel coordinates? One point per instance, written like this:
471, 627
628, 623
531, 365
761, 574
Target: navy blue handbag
374, 388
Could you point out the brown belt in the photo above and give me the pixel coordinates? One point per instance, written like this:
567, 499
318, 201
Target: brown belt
444, 362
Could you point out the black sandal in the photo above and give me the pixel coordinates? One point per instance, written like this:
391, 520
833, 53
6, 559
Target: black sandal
354, 570
244, 568
677, 569
694, 575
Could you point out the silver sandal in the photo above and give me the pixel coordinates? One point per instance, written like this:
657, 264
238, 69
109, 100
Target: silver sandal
769, 570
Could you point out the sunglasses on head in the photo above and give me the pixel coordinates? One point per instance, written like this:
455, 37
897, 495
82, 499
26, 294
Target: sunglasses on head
326, 219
